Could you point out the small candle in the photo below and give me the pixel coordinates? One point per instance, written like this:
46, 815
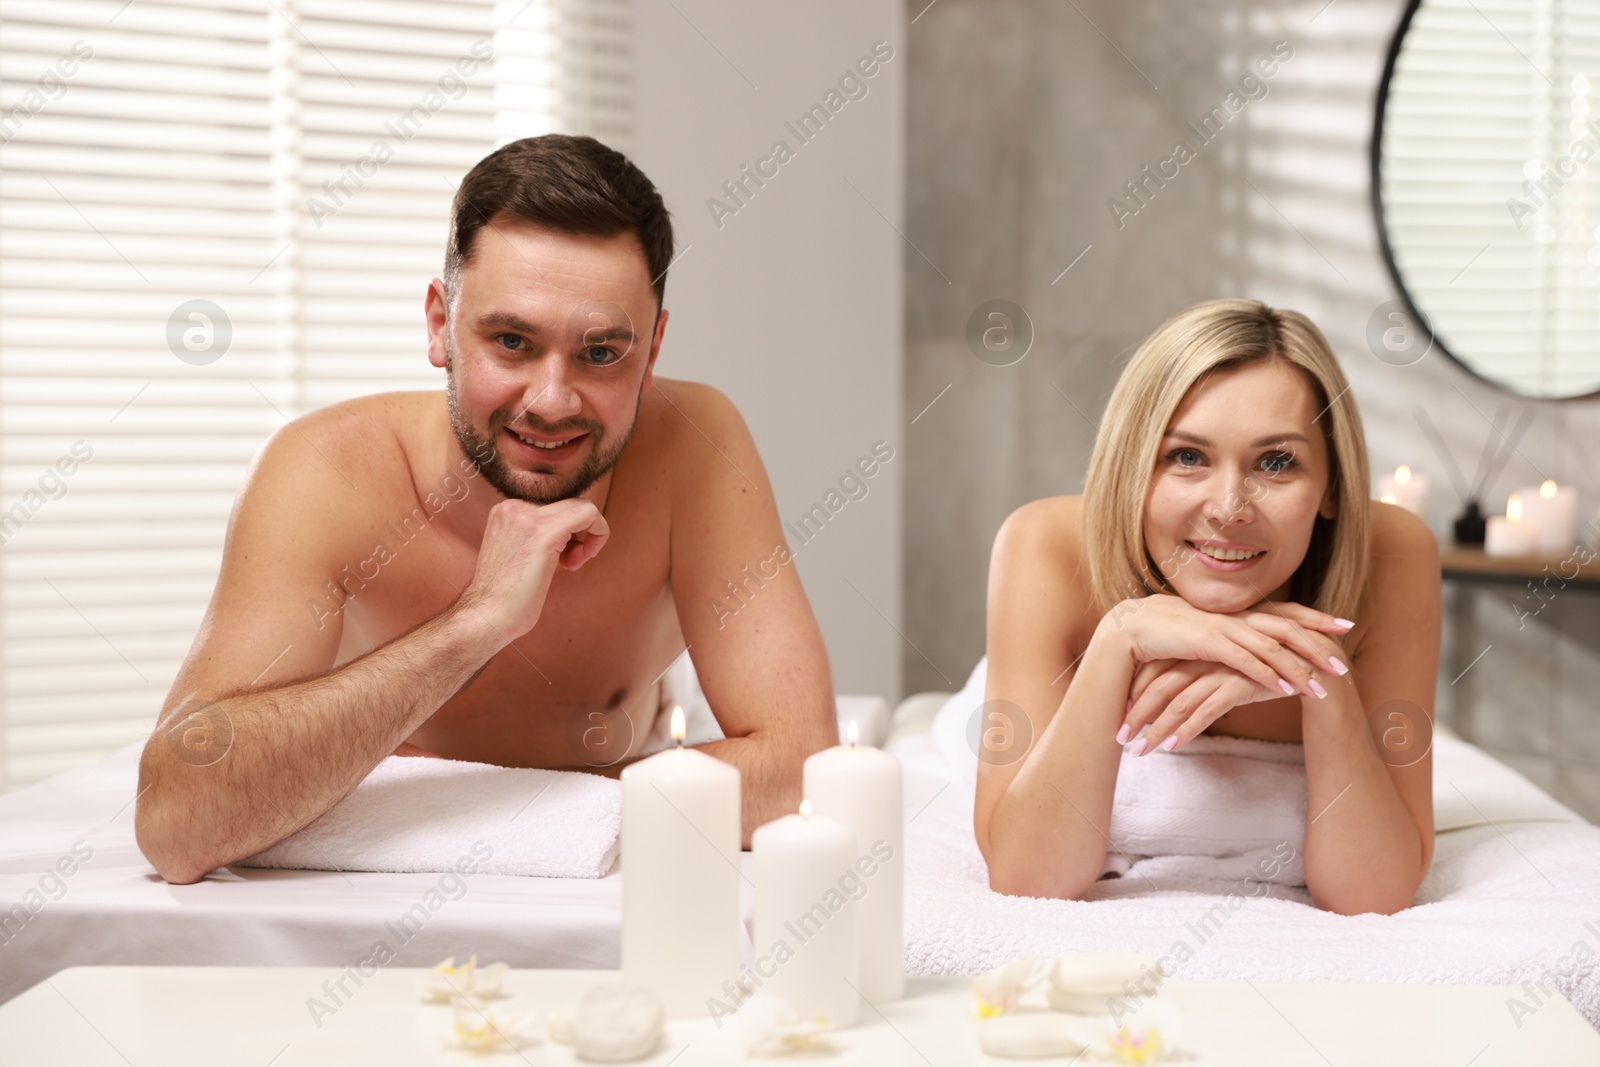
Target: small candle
680, 875
1554, 510
861, 787
1511, 534
1407, 488
806, 936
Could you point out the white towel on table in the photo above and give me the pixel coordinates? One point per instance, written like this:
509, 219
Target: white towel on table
422, 813
1219, 808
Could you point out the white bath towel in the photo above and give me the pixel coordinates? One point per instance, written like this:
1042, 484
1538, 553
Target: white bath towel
1229, 809
421, 813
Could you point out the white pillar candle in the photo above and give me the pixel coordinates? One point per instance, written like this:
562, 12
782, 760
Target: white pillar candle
680, 875
1511, 534
1405, 487
806, 945
1554, 510
861, 786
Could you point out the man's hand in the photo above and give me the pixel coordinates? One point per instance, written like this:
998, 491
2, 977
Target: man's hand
523, 543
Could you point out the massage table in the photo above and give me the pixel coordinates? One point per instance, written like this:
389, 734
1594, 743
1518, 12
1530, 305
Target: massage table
1512, 898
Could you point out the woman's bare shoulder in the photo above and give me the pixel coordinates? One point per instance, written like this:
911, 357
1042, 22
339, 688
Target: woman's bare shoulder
1403, 580
1038, 554
1048, 527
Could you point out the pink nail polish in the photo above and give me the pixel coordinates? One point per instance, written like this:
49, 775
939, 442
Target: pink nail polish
1170, 743
1288, 690
1339, 667
1316, 687
1137, 747
1346, 623
1122, 735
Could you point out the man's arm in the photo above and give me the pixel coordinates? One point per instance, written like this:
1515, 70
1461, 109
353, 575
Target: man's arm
750, 631
242, 758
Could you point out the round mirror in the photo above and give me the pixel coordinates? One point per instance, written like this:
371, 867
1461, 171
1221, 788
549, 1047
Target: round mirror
1486, 186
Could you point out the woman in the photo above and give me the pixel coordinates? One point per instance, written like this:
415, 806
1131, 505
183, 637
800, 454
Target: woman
1232, 453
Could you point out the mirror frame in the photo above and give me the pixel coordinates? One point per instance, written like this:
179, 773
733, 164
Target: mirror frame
1376, 160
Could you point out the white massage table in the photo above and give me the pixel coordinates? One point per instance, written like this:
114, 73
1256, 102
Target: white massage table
117, 910
1512, 896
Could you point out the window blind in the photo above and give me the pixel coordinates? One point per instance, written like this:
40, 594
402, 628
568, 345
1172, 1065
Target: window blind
216, 216
1490, 179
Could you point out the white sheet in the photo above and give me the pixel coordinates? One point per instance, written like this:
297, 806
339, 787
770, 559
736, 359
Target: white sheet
114, 908
1512, 897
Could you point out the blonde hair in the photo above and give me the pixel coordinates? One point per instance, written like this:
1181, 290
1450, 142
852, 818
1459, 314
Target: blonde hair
1215, 336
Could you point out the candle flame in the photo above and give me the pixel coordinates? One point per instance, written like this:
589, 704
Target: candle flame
805, 809
853, 732
1388, 498
679, 727
1548, 489
1514, 508
1402, 474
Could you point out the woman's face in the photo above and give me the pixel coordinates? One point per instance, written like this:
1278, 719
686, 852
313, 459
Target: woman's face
1241, 474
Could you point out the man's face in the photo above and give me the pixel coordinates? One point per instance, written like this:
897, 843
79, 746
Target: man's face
1242, 475
551, 342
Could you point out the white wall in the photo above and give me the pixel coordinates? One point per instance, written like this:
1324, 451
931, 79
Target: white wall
792, 305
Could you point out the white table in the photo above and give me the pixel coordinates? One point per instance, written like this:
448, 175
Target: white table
256, 1016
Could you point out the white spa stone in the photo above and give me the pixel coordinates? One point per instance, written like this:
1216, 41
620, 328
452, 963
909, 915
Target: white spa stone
613, 1023
1088, 981
1032, 1033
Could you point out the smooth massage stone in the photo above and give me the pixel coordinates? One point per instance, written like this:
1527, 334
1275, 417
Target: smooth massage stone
616, 1022
1029, 1034
1084, 981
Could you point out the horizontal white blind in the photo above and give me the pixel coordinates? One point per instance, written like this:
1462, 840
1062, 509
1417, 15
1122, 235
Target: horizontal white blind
1489, 101
289, 162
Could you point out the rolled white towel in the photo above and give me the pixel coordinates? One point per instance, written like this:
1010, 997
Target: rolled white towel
422, 813
1224, 808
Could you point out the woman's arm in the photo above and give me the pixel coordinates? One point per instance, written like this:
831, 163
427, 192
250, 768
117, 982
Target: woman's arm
1043, 807
1369, 764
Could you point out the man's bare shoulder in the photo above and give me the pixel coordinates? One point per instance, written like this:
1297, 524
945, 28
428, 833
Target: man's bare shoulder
684, 425
359, 450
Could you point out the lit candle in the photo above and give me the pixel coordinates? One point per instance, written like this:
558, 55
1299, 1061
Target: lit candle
1511, 534
680, 875
1554, 510
806, 935
861, 786
1407, 488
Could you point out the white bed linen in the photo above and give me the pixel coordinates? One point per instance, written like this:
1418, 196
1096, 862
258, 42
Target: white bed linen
1512, 896
116, 909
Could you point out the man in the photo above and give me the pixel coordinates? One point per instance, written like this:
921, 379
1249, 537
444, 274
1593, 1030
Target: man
502, 572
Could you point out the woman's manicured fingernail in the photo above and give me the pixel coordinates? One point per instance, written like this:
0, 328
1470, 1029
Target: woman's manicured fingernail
1137, 747
1346, 623
1170, 743
1122, 734
1316, 687
1339, 668
1283, 683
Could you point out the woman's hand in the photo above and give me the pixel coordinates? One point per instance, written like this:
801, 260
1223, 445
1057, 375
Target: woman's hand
1273, 643
1180, 698
1184, 695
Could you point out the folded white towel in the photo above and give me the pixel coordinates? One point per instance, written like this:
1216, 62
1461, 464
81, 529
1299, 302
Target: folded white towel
421, 813
1221, 808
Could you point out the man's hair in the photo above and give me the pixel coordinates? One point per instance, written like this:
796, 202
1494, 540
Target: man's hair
573, 185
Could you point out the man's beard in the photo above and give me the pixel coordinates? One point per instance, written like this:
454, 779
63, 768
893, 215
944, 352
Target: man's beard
512, 484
